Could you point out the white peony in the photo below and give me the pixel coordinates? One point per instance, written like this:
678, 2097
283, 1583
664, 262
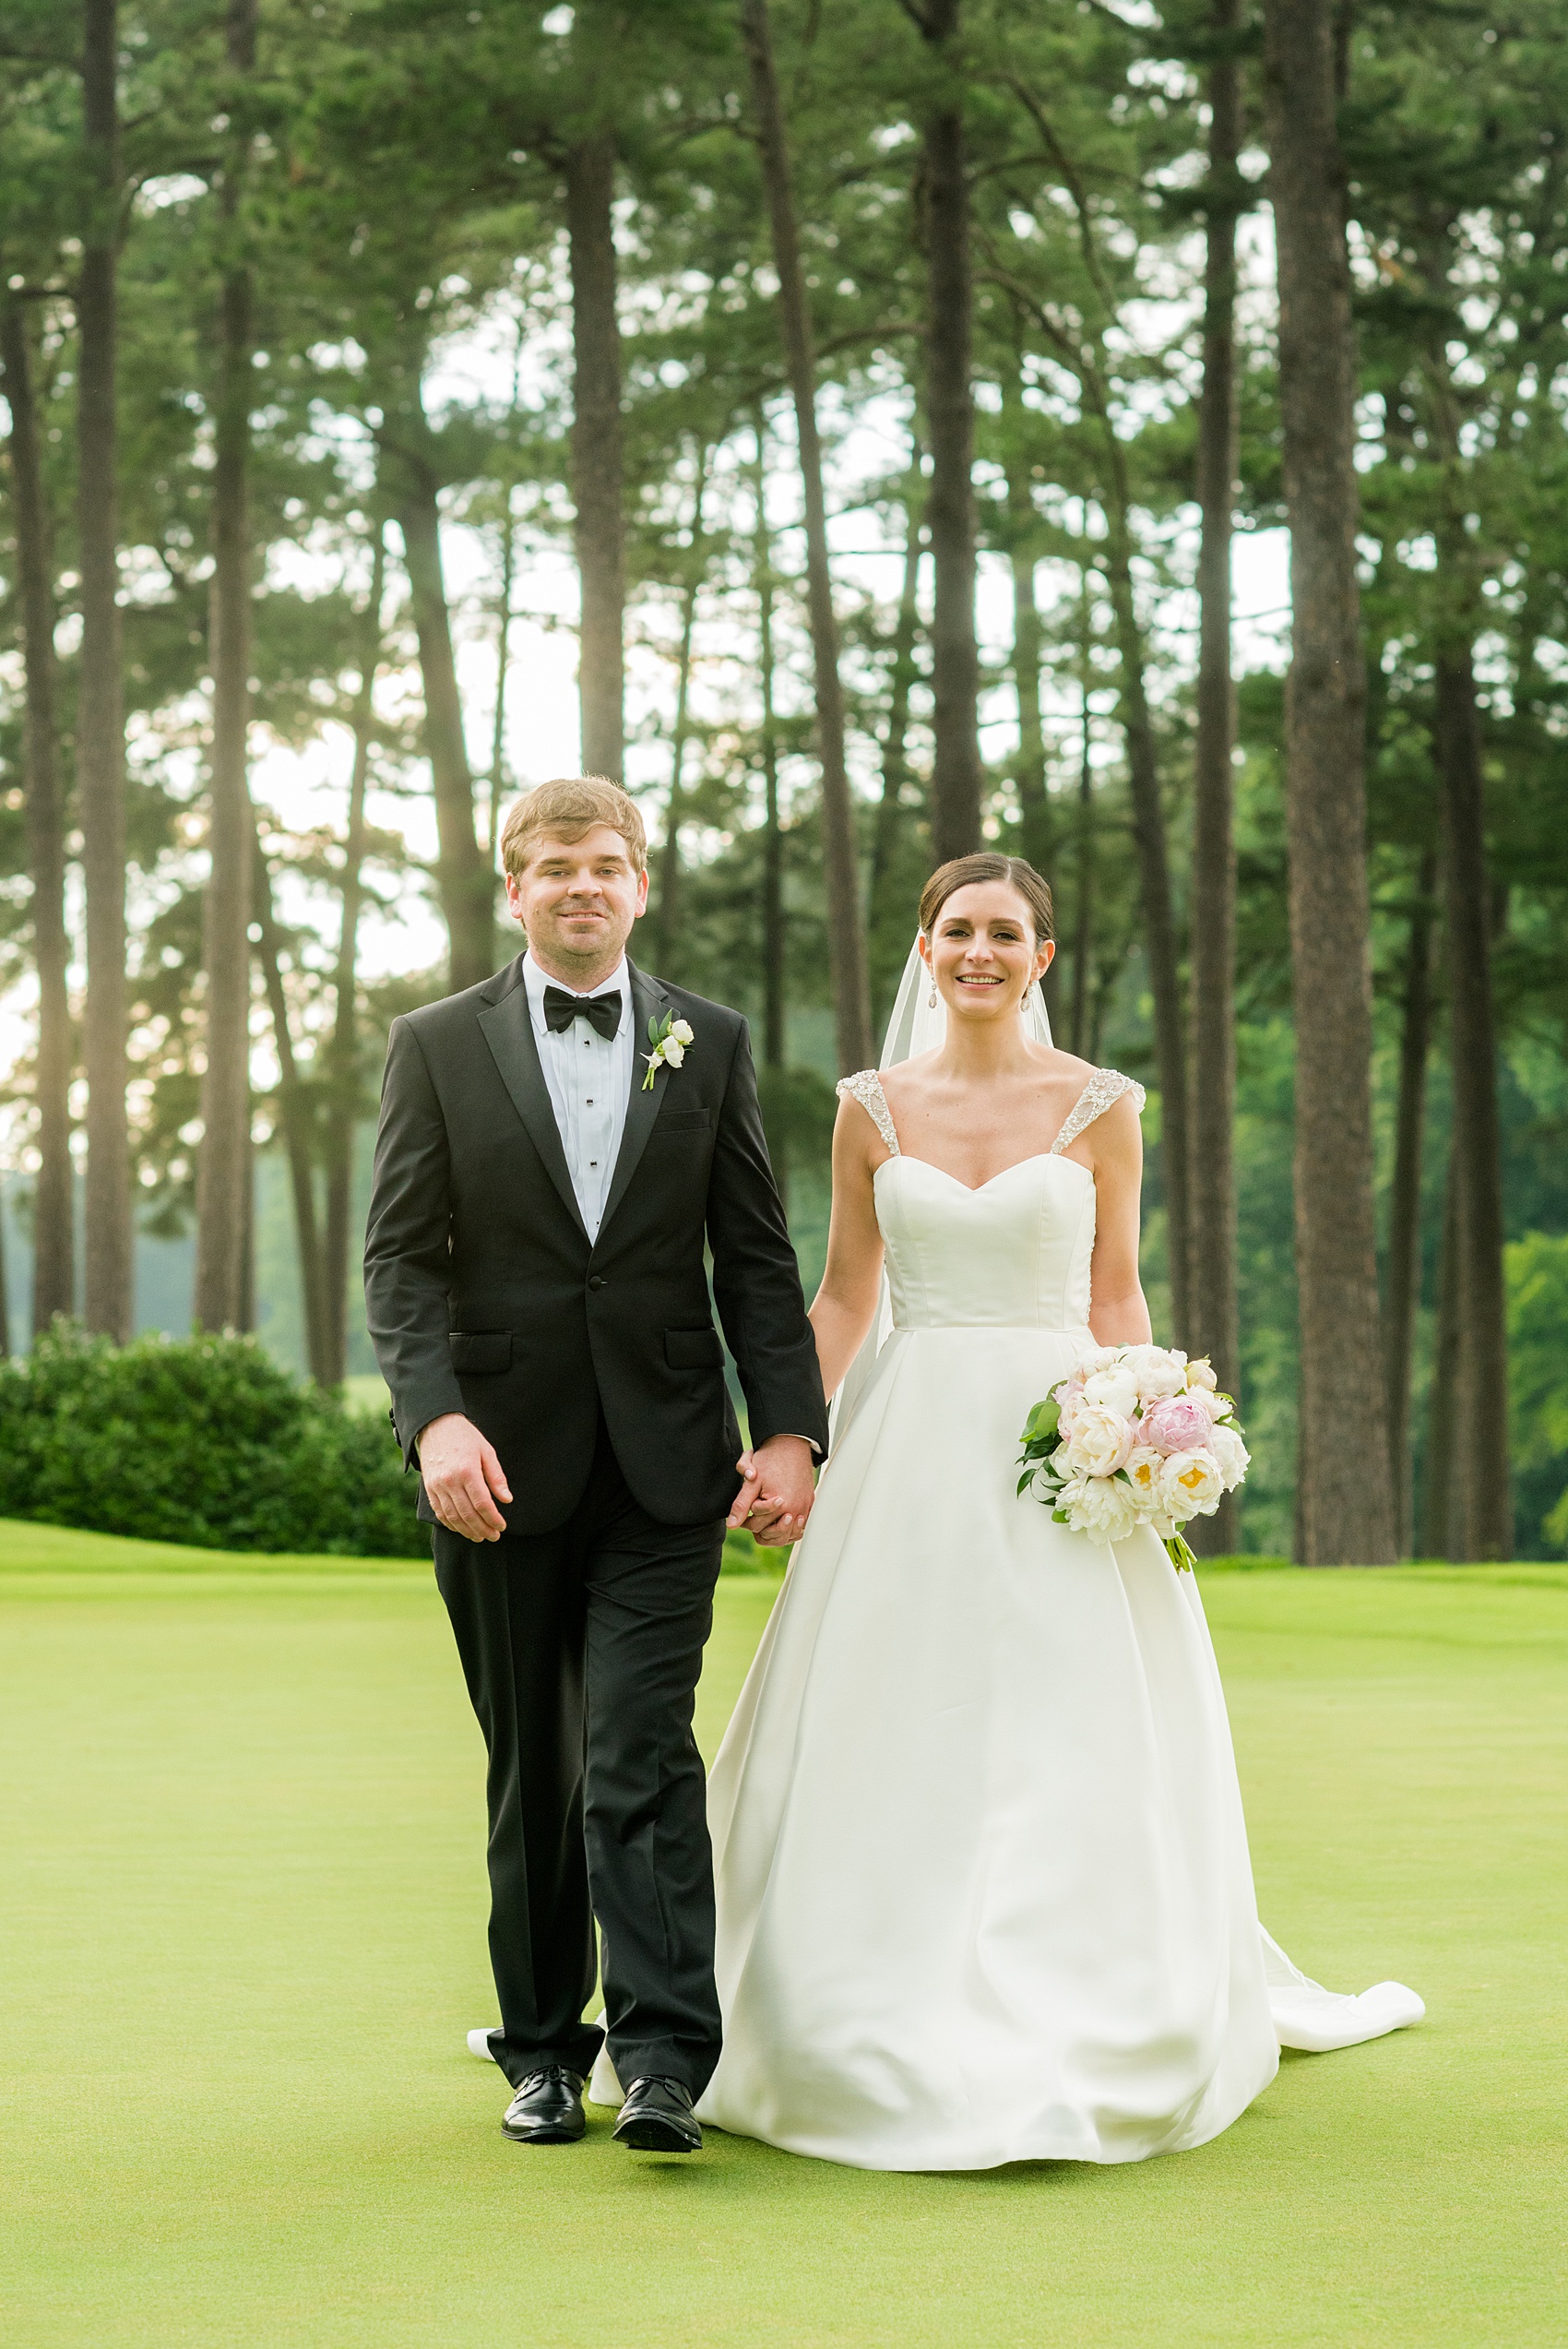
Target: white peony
1101, 1440
1217, 1406
1112, 1389
1093, 1358
1231, 1455
1158, 1372
1142, 1465
1191, 1485
1102, 1506
1201, 1374
683, 1034
674, 1048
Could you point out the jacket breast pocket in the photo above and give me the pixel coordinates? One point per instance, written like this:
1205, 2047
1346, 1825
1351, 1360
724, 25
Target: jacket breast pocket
475, 1354
694, 1349
683, 1121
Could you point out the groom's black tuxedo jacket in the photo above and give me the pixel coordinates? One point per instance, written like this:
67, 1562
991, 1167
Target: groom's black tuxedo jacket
485, 1295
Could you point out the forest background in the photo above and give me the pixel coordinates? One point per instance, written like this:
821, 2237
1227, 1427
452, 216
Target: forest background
863, 411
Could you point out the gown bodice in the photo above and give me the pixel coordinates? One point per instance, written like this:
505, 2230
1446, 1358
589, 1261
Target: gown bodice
1013, 1254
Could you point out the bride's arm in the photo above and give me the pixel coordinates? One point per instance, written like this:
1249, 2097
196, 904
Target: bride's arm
1118, 1313
843, 1309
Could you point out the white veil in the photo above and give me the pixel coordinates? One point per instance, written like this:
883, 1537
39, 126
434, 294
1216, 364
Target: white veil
915, 1026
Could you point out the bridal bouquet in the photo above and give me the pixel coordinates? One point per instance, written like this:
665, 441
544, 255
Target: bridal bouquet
1138, 1435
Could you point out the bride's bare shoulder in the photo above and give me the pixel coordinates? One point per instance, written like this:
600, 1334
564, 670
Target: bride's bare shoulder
1064, 1068
909, 1079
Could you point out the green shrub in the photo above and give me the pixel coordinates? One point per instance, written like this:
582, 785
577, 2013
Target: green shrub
1537, 1381
202, 1440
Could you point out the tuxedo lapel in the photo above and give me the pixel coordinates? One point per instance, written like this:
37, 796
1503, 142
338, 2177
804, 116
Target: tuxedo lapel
648, 1002
508, 1030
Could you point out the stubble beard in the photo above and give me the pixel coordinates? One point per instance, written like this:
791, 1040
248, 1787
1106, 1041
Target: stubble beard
579, 966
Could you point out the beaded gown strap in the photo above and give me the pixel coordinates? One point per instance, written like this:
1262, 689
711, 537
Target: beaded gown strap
1104, 1087
866, 1088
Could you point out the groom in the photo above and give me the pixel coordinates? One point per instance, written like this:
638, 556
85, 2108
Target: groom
546, 1178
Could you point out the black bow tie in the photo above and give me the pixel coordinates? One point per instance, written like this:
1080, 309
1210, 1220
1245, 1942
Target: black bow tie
602, 1012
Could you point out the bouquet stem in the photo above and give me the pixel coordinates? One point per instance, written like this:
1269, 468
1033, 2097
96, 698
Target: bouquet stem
1179, 1555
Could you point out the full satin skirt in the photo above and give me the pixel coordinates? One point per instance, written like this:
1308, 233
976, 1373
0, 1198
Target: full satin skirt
983, 1887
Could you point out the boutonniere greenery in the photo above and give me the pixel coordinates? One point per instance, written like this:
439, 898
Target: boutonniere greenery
669, 1042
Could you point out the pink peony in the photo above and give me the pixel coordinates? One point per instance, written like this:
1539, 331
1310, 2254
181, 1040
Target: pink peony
1180, 1425
1069, 1402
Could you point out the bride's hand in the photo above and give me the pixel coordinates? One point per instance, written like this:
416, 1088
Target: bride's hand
778, 1486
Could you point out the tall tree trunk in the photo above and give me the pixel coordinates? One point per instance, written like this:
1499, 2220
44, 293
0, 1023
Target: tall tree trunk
4, 1292
1404, 1195
1028, 634
884, 913
1154, 883
773, 1023
1214, 1322
846, 935
1084, 860
1486, 1516
1034, 808
1087, 357
223, 1169
100, 724
598, 463
950, 410
503, 657
1348, 1493
464, 879
773, 1040
54, 1268
1439, 1532
343, 1100
295, 1119
670, 852
247, 1323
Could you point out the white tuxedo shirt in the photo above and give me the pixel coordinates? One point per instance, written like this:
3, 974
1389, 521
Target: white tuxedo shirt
589, 1080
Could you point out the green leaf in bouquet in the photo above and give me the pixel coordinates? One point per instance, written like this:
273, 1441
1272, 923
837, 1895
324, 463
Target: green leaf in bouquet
1040, 1428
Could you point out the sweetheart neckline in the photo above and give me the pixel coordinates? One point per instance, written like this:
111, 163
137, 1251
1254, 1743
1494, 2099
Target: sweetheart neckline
907, 1158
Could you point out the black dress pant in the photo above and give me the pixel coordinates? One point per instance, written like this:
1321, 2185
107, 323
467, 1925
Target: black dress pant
581, 1649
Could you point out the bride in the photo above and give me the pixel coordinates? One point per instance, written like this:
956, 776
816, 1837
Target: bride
983, 1887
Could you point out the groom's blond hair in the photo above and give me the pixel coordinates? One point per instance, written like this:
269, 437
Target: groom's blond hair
567, 809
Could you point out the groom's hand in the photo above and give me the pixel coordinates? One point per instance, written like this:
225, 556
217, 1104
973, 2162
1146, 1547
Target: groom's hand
461, 1472
776, 1490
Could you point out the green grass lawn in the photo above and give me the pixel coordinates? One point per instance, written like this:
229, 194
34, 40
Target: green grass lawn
241, 1937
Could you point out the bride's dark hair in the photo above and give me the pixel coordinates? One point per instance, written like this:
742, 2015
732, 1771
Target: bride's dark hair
989, 867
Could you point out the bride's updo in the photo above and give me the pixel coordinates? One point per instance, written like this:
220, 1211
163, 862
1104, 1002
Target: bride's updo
964, 871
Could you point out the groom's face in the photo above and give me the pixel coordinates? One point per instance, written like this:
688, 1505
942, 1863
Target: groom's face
578, 900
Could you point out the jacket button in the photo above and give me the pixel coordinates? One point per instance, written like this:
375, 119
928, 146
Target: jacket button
596, 1281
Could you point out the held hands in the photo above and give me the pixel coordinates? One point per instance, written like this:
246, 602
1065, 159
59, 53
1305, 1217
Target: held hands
776, 1490
461, 1472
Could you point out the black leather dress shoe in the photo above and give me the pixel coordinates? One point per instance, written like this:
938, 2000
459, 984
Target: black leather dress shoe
656, 2117
547, 2108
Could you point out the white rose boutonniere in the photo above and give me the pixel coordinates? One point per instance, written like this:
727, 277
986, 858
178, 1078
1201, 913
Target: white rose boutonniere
669, 1042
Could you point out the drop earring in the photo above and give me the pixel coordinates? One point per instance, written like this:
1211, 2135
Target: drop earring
930, 999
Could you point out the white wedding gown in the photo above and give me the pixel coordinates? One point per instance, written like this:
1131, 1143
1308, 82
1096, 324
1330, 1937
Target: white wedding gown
983, 1887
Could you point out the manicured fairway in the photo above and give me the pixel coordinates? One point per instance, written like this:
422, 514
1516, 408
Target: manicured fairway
243, 1935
